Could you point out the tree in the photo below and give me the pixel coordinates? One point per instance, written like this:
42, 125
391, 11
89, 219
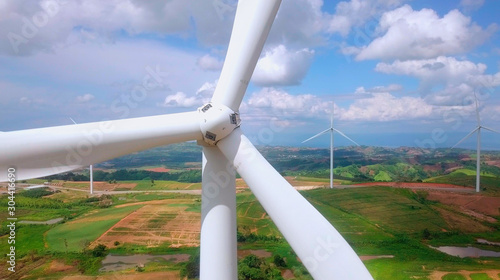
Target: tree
192, 268
99, 251
279, 261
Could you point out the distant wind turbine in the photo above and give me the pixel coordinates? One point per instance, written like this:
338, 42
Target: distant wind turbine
478, 156
331, 130
90, 171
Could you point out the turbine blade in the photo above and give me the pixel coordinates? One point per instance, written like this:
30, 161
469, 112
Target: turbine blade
251, 26
46, 151
341, 133
321, 248
331, 118
218, 217
319, 134
487, 128
477, 111
466, 136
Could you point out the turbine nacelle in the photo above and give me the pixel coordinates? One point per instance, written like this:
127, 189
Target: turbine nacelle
216, 122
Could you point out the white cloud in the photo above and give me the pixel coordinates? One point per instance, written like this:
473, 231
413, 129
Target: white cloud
281, 100
25, 100
209, 63
128, 63
445, 81
469, 5
273, 105
85, 98
431, 36
384, 107
441, 70
180, 99
206, 91
299, 24
355, 13
451, 95
389, 88
45, 24
487, 82
282, 108
280, 66
493, 113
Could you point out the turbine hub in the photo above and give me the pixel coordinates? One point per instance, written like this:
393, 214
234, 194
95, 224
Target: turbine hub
216, 122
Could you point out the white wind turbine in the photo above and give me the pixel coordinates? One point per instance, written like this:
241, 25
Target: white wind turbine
323, 251
478, 148
331, 130
90, 171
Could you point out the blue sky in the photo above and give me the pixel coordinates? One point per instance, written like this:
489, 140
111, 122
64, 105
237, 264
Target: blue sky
397, 72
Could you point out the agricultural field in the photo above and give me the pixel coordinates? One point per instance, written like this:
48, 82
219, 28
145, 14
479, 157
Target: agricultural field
390, 228
173, 223
75, 235
154, 221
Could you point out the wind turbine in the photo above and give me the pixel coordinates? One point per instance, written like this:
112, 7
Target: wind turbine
331, 130
90, 171
478, 148
216, 126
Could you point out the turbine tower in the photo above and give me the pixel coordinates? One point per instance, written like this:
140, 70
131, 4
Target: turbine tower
478, 148
216, 126
331, 130
90, 171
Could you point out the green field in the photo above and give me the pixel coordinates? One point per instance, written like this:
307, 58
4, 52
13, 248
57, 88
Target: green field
75, 235
480, 276
252, 217
374, 220
466, 177
323, 180
164, 185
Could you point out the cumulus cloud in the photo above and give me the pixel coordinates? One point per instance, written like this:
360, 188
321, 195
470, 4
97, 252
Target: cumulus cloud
206, 91
85, 98
431, 35
271, 105
280, 66
445, 81
181, 99
282, 108
493, 113
45, 24
299, 23
388, 88
384, 107
440, 70
280, 99
209, 63
469, 5
349, 14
